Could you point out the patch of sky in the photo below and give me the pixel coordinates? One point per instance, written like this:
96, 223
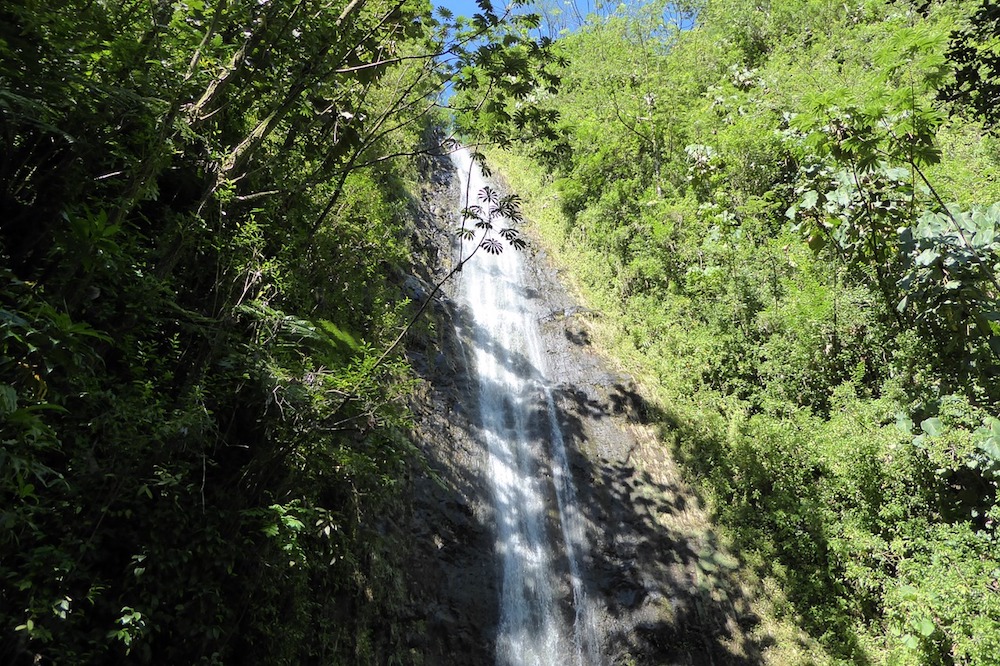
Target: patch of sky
562, 16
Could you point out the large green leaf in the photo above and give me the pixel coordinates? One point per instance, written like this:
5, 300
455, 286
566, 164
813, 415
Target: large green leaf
933, 426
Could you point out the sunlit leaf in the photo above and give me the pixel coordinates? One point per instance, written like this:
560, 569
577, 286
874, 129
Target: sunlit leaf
932, 426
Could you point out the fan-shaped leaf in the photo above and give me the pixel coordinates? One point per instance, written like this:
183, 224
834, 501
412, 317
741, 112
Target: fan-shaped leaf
489, 195
492, 245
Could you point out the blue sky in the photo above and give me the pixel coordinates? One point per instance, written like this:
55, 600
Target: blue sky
583, 7
459, 7
469, 7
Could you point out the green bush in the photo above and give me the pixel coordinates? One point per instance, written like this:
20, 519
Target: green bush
762, 206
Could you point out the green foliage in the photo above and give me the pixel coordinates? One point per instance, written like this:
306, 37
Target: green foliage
774, 243
861, 194
973, 50
486, 217
205, 212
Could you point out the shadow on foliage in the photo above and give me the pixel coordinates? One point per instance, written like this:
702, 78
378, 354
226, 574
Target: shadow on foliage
779, 520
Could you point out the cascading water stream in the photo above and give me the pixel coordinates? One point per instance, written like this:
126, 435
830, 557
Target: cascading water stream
526, 449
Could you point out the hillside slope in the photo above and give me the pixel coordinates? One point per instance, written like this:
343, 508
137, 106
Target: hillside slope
786, 213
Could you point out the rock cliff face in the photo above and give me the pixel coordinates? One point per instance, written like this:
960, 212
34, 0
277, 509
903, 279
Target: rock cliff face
453, 572
663, 589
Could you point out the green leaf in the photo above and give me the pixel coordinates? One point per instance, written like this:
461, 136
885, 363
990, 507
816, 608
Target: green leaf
927, 257
809, 199
904, 423
933, 426
339, 334
925, 627
8, 400
292, 522
991, 448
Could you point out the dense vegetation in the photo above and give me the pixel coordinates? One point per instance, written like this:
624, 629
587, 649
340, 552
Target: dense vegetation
788, 214
789, 209
206, 211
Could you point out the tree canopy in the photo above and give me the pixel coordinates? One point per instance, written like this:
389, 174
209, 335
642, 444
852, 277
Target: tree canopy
206, 211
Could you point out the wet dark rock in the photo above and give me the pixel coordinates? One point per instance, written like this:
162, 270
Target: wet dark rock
415, 289
639, 572
629, 596
417, 360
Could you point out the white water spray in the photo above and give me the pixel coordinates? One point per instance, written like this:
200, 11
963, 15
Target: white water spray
517, 410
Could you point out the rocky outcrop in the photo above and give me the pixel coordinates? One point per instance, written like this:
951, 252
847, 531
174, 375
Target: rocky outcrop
664, 588
451, 568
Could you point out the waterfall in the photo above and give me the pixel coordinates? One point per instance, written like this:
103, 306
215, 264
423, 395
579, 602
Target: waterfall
540, 536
